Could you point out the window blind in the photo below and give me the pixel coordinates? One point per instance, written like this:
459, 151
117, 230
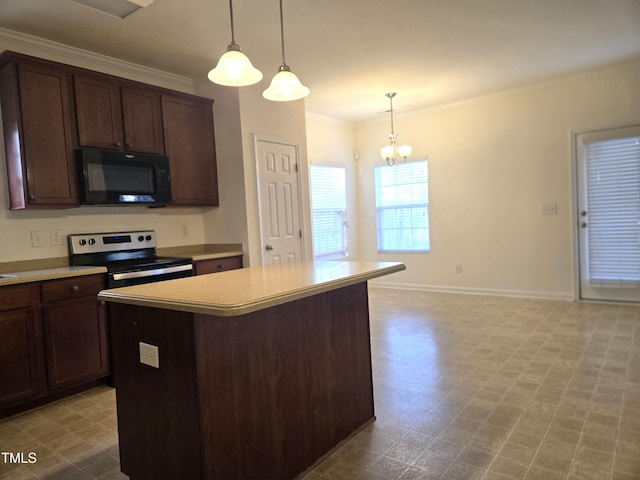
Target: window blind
328, 204
402, 204
613, 210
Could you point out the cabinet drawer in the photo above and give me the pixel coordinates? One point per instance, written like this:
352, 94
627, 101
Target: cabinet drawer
217, 265
76, 287
18, 296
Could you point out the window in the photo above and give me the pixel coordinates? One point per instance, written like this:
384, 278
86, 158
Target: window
329, 204
402, 203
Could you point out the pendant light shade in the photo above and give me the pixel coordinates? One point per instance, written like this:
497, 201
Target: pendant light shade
234, 68
285, 85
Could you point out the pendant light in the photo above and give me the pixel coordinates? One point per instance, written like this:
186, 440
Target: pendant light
285, 85
234, 68
392, 150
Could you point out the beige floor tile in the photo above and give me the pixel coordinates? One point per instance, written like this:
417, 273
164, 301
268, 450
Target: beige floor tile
466, 387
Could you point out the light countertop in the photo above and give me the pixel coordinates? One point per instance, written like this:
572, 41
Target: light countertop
238, 292
204, 252
25, 271
27, 276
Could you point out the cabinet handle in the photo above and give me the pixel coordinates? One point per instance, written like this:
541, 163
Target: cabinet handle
32, 197
75, 289
129, 145
117, 144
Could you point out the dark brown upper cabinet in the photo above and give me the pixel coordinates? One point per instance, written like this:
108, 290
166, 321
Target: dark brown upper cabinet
116, 117
141, 112
37, 114
190, 146
50, 109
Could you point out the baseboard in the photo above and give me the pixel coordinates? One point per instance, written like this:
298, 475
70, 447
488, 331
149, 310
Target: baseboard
568, 297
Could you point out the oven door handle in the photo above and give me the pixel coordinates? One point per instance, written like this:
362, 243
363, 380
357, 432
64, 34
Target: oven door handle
151, 273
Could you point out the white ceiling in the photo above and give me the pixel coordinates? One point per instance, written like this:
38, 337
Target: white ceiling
351, 52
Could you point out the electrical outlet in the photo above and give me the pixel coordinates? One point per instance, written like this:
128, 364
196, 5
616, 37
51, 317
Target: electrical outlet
37, 238
550, 209
149, 355
56, 238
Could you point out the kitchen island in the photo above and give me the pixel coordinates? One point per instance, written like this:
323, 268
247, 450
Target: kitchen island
248, 374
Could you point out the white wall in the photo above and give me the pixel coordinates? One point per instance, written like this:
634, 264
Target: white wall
332, 142
284, 121
492, 162
228, 222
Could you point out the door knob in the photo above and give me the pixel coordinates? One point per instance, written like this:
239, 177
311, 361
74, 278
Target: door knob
268, 246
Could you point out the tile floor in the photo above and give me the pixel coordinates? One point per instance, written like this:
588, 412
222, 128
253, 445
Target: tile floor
466, 387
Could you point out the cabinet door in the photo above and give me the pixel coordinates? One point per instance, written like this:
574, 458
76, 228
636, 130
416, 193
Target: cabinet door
142, 120
20, 345
98, 112
75, 342
190, 146
19, 372
215, 265
38, 136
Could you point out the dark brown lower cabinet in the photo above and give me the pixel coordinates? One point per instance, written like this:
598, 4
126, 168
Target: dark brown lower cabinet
214, 265
53, 339
75, 341
20, 340
255, 396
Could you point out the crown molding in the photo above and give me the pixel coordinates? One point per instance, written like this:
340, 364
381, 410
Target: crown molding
58, 52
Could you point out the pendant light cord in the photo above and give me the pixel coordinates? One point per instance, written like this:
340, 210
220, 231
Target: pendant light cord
391, 95
233, 37
282, 33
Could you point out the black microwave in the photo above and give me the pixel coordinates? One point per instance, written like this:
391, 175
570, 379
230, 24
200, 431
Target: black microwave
108, 177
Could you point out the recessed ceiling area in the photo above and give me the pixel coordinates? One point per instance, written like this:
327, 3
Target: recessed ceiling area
117, 8
429, 51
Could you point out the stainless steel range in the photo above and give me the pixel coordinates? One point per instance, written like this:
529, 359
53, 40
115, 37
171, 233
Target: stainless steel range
130, 257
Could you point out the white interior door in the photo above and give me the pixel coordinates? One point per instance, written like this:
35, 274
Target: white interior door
279, 202
608, 167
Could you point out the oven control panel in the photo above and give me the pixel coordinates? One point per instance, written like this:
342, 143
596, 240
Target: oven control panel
111, 242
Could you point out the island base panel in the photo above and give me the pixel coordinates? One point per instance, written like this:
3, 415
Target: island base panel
261, 395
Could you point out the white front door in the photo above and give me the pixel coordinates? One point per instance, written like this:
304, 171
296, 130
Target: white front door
608, 167
278, 187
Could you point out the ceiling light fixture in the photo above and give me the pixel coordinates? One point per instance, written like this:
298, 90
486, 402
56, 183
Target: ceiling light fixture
234, 69
391, 151
285, 85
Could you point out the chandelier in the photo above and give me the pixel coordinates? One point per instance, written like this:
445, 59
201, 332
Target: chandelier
391, 151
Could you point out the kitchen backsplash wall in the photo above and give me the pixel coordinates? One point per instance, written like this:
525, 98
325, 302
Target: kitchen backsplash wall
48, 230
